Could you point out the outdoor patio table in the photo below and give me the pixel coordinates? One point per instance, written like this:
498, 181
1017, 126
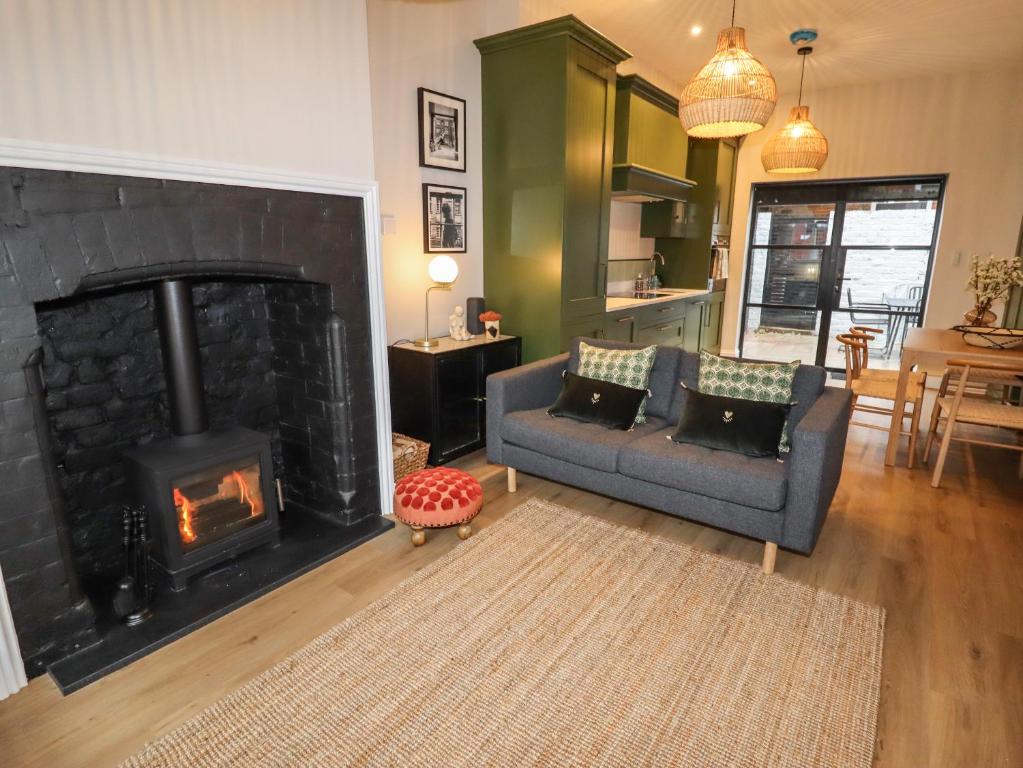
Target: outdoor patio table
903, 309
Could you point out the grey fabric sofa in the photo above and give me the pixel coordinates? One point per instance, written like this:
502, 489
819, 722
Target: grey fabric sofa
779, 503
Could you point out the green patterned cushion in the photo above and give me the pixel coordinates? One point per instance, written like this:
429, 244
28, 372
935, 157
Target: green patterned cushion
628, 367
764, 382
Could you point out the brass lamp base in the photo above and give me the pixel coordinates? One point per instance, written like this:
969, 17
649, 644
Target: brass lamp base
426, 343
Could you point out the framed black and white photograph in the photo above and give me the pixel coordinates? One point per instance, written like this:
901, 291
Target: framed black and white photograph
444, 217
441, 131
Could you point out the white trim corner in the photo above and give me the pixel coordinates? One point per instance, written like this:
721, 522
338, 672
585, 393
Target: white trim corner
12, 670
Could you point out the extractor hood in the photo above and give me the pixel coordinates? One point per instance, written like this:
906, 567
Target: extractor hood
631, 183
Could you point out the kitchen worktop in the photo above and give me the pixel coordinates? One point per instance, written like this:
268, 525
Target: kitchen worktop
615, 304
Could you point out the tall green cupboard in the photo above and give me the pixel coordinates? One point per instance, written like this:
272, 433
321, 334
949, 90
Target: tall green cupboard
548, 132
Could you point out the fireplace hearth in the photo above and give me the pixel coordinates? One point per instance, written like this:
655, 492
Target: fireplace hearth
202, 349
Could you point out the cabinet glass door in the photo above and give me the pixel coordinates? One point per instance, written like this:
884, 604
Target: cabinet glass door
494, 359
458, 398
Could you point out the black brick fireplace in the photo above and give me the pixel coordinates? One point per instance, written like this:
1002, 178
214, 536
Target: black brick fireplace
280, 309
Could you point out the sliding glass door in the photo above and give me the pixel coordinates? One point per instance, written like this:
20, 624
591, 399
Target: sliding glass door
825, 256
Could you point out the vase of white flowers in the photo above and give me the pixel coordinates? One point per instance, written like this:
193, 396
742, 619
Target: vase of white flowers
991, 280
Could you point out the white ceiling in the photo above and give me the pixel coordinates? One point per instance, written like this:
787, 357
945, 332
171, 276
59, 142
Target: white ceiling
860, 40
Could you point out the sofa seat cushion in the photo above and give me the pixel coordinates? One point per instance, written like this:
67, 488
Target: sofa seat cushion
752, 482
588, 445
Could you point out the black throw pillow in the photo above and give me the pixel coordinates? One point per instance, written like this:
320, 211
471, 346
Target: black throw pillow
598, 402
731, 424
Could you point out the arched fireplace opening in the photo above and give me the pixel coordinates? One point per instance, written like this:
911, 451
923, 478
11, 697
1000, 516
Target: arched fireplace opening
279, 288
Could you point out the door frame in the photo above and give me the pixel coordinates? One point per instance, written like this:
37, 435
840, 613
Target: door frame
831, 276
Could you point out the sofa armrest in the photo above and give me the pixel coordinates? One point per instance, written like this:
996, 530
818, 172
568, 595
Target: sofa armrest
815, 467
529, 386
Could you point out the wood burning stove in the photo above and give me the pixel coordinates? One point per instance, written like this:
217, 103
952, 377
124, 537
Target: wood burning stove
209, 495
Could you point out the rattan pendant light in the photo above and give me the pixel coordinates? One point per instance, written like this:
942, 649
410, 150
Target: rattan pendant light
799, 147
732, 95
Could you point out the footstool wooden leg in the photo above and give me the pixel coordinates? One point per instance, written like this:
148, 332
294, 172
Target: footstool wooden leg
464, 531
512, 480
418, 536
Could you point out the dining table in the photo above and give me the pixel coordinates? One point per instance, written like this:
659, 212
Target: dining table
931, 349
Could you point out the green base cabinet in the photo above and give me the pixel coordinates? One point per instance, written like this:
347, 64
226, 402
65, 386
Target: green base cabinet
548, 129
693, 324
703, 323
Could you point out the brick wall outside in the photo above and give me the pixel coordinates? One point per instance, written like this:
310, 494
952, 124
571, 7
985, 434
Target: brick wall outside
871, 274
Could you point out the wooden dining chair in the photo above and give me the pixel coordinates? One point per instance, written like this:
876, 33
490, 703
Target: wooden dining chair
960, 409
880, 385
980, 382
869, 333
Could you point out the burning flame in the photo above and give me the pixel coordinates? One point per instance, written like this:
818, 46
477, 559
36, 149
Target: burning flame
184, 505
245, 496
233, 483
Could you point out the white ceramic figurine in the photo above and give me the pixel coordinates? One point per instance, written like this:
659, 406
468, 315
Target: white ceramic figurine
456, 325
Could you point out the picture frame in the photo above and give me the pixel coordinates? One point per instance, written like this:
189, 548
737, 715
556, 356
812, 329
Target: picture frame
441, 131
444, 218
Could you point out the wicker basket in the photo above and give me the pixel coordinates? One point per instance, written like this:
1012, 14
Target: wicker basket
409, 454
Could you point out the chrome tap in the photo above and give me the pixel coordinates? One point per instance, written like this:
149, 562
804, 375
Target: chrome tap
651, 283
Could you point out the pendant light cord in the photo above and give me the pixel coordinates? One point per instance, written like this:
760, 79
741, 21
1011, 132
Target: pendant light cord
733, 13
801, 73
803, 52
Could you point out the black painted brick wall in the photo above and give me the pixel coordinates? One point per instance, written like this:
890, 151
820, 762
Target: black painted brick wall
57, 227
313, 442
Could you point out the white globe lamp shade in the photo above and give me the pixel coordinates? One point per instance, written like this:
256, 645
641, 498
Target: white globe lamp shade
443, 270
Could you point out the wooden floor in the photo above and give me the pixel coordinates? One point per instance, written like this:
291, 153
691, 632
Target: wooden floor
947, 565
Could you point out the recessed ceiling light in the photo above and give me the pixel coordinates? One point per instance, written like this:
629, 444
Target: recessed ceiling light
695, 30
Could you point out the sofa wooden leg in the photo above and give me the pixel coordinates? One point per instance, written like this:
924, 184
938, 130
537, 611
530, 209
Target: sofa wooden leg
770, 553
512, 480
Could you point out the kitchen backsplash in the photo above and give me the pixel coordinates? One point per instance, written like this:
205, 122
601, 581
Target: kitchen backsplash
621, 274
624, 242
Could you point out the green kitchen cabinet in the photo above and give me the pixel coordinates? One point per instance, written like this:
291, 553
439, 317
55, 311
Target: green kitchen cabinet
724, 186
703, 323
710, 338
620, 326
693, 325
669, 333
711, 164
648, 132
548, 131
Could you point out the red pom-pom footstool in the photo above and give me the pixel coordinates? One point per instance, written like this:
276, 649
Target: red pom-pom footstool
437, 497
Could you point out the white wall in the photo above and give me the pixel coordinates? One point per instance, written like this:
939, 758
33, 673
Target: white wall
968, 125
281, 85
428, 44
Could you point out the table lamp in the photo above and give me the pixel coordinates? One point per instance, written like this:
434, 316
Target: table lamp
443, 270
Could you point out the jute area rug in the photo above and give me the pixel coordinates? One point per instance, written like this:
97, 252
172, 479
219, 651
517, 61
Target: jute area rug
556, 639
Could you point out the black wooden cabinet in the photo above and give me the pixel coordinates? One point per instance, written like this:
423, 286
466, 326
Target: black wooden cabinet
440, 395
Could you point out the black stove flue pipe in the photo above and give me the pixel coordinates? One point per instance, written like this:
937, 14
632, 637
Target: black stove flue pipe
182, 368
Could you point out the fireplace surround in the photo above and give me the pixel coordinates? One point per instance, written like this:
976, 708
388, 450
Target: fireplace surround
69, 236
